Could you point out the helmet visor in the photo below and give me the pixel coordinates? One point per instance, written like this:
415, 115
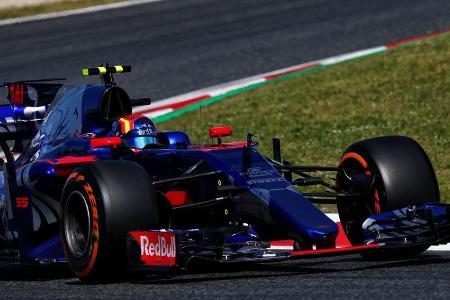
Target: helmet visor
140, 142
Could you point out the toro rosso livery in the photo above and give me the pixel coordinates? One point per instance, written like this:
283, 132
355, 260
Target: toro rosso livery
102, 189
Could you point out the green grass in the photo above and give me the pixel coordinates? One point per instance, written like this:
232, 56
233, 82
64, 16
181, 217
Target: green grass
50, 7
405, 91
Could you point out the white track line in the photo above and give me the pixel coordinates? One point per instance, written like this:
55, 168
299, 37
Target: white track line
157, 113
352, 55
224, 90
87, 10
334, 217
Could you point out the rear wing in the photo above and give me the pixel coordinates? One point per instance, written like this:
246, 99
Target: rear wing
24, 109
32, 92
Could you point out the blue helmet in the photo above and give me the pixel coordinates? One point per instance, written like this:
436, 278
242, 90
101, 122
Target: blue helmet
137, 131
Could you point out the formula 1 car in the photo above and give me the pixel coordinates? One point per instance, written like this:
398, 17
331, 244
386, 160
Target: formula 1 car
81, 193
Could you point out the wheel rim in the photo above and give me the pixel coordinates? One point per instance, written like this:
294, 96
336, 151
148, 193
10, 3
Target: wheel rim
77, 224
356, 212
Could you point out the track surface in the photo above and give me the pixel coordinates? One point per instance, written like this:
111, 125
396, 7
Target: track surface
179, 46
426, 277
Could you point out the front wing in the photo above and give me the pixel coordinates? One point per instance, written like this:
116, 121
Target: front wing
423, 225
158, 249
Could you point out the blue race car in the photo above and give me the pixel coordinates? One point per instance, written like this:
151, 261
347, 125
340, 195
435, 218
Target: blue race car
103, 190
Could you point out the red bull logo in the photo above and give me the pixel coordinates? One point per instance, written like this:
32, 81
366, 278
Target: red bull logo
157, 248
160, 248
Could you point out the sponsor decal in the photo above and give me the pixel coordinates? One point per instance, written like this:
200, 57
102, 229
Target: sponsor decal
157, 248
258, 175
147, 129
265, 180
22, 202
259, 172
88, 135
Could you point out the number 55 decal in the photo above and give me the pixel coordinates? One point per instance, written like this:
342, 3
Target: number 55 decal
21, 202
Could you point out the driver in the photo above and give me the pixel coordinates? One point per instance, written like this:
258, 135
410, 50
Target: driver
137, 131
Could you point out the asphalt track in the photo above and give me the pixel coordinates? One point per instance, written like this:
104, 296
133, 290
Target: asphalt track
426, 277
179, 46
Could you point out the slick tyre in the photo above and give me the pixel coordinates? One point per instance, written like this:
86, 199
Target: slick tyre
101, 202
398, 173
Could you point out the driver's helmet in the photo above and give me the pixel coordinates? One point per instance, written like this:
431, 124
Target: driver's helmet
137, 131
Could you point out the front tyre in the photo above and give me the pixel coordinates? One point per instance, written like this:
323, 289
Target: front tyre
389, 173
101, 203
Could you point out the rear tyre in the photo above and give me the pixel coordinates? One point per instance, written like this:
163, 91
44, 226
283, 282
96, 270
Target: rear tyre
101, 203
396, 172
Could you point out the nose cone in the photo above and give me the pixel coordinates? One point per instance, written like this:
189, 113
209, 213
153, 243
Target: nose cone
299, 213
319, 235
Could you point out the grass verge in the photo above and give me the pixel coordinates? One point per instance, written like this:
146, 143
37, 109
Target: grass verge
16, 12
405, 91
